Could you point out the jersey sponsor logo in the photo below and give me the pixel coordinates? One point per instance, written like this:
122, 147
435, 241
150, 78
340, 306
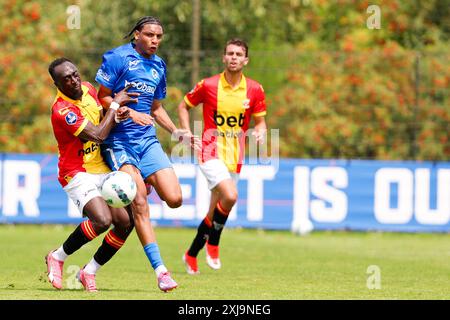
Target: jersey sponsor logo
228, 134
133, 65
88, 150
231, 121
103, 74
141, 86
155, 74
71, 118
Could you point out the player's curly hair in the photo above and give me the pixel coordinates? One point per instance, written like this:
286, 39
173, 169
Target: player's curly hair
237, 42
140, 24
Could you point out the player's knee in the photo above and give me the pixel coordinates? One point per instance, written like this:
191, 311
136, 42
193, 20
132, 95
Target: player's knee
129, 228
101, 224
124, 230
173, 197
229, 198
124, 223
129, 225
174, 201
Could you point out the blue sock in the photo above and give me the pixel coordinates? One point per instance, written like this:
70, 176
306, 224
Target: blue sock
153, 255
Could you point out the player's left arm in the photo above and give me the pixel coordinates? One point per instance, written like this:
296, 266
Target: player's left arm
260, 129
161, 117
258, 112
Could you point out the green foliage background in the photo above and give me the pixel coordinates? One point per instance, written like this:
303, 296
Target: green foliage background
335, 88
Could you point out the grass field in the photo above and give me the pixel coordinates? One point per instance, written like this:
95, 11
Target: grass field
257, 265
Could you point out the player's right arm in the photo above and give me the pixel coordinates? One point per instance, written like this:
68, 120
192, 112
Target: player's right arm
190, 100
99, 133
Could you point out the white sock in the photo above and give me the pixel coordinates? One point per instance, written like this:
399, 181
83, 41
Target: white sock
59, 254
92, 267
161, 269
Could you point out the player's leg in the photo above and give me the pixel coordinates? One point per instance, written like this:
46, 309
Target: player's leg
125, 158
83, 191
167, 186
140, 207
157, 170
112, 242
223, 189
190, 257
144, 229
138, 162
227, 197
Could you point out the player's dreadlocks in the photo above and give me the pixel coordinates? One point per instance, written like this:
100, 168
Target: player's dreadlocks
144, 20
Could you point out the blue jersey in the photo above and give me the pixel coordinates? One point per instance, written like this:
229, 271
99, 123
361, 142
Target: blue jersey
122, 66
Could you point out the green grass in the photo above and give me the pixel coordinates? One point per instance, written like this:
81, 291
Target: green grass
255, 265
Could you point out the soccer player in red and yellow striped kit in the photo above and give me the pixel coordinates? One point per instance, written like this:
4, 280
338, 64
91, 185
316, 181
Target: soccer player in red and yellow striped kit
79, 128
229, 101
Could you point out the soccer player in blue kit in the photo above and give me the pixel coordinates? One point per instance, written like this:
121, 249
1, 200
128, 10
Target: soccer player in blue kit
132, 145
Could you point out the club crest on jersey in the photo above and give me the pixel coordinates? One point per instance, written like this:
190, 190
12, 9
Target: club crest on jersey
155, 74
246, 103
71, 118
133, 65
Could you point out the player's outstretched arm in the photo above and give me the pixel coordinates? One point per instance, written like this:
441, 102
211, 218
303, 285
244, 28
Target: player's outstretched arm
185, 132
99, 133
163, 119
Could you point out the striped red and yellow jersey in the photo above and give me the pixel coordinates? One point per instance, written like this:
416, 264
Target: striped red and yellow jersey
226, 116
69, 118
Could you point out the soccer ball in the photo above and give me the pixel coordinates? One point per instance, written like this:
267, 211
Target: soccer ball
302, 226
118, 189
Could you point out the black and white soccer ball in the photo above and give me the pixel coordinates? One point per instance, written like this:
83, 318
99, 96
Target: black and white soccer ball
118, 189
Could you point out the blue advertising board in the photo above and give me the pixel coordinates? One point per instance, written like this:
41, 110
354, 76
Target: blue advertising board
295, 194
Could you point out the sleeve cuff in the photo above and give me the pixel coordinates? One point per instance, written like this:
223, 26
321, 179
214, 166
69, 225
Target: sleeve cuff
81, 128
102, 82
260, 114
188, 102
